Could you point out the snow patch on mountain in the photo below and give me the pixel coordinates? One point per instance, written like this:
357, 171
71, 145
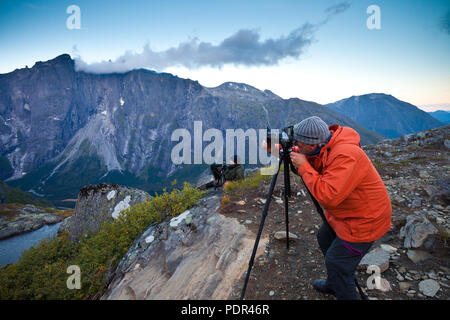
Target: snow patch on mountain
99, 131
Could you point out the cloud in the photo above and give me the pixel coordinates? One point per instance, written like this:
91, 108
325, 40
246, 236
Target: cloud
244, 47
337, 8
445, 22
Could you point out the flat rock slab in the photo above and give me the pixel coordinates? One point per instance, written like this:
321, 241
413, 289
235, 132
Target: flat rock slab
389, 249
377, 257
281, 235
196, 255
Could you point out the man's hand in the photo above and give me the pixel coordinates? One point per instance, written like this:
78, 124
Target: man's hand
267, 147
298, 159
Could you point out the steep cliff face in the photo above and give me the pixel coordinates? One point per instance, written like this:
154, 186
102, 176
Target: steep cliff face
33, 107
62, 129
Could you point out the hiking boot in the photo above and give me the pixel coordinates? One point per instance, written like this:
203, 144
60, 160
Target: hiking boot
321, 286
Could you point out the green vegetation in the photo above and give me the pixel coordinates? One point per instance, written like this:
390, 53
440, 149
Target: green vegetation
15, 195
239, 187
41, 271
151, 181
445, 236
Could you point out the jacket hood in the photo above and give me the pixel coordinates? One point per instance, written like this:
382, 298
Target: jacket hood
343, 135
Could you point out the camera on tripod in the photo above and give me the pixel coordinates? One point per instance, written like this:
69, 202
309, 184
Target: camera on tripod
285, 139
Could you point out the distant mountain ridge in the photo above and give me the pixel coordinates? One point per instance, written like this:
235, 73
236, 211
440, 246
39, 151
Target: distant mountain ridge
385, 114
441, 115
62, 129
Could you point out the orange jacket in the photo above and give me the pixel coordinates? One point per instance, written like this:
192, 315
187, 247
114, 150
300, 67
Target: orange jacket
349, 188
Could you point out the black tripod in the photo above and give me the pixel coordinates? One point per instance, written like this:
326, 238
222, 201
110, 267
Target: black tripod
286, 161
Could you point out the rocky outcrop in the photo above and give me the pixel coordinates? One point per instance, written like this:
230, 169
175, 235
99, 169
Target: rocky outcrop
197, 255
100, 203
415, 170
31, 218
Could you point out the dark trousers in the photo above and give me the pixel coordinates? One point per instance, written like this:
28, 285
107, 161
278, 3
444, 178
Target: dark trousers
341, 259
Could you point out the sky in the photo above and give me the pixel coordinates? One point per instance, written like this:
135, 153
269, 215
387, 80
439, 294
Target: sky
315, 50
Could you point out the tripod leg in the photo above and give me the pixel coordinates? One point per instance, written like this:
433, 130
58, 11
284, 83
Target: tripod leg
261, 226
287, 194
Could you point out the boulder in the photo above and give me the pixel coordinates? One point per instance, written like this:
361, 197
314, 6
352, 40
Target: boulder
429, 287
97, 204
416, 230
447, 143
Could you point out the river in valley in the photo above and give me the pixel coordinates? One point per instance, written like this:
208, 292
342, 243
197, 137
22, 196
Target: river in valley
11, 248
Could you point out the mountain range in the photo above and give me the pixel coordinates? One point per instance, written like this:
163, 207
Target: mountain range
385, 114
62, 129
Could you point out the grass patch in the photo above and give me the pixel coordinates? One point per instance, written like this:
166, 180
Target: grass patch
415, 159
239, 187
12, 210
16, 195
378, 164
41, 271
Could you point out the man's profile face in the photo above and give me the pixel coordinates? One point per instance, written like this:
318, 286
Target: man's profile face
305, 148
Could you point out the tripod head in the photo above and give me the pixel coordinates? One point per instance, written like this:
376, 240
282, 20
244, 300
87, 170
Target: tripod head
285, 138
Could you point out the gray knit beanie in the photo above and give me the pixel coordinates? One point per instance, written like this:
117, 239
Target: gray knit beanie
312, 130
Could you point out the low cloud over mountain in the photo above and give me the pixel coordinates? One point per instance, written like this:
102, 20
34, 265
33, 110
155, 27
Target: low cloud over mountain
244, 47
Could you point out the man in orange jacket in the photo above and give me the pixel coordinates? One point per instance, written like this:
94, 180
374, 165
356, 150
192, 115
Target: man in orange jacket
346, 184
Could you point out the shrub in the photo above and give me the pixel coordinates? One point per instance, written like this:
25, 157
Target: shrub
239, 187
